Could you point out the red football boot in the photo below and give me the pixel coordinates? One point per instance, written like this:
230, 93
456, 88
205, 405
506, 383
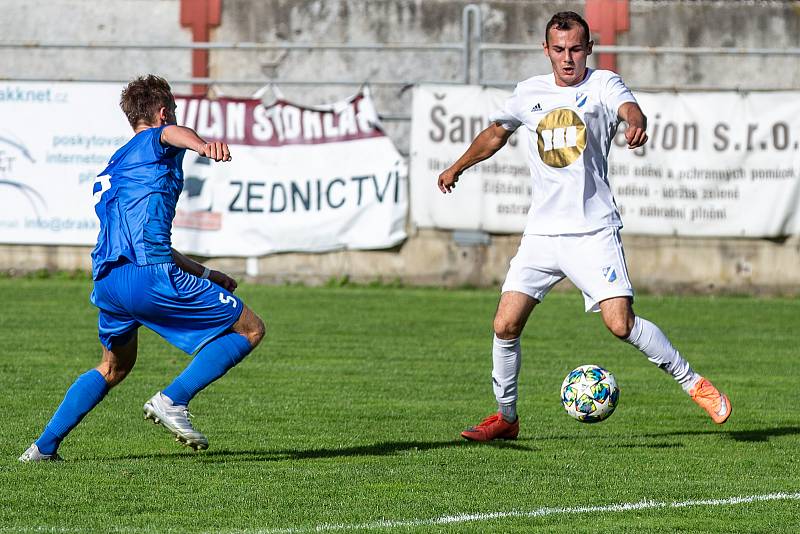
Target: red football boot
493, 427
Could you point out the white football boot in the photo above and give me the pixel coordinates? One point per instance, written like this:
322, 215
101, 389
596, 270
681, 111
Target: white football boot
174, 418
32, 454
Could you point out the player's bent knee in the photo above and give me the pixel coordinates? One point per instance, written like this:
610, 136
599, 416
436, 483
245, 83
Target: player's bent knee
118, 362
116, 376
251, 327
621, 328
115, 372
507, 329
258, 332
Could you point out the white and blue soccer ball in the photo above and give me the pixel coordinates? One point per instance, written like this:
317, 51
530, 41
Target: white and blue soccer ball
589, 393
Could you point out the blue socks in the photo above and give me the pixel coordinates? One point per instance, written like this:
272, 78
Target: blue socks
213, 361
84, 394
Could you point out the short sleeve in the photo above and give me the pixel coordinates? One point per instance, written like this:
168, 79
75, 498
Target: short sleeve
506, 116
616, 94
159, 149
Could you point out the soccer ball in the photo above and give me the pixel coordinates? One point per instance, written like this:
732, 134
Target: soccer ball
589, 393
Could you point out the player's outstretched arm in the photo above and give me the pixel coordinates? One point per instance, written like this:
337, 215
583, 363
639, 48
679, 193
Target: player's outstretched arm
182, 137
197, 269
635, 133
483, 147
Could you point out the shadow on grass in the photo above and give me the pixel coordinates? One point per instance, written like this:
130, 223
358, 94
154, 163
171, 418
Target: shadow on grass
663, 445
763, 434
623, 440
267, 455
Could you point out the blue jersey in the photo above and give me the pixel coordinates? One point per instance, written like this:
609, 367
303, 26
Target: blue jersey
135, 201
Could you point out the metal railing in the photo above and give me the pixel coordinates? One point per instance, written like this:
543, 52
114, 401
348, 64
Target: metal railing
471, 48
465, 48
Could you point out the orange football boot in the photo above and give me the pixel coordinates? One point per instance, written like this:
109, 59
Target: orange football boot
711, 400
493, 427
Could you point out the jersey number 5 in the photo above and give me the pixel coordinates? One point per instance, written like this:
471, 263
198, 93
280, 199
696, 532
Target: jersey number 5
227, 299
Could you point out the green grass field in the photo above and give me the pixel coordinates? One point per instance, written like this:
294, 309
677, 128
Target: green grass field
347, 418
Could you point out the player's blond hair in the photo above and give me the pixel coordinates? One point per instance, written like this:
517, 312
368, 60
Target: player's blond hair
142, 99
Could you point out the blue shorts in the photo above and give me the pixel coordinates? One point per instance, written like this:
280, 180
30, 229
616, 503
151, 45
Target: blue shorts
185, 310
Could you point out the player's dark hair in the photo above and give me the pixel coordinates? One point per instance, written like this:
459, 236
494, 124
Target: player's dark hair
144, 97
566, 20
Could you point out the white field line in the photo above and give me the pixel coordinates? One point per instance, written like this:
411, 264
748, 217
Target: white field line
444, 520
539, 512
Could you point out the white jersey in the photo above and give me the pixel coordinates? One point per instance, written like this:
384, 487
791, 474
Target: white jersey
570, 130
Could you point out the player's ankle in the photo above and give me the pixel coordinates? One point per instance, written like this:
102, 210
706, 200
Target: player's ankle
508, 412
690, 382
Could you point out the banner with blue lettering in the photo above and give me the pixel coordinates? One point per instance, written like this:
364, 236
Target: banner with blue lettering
717, 164
494, 195
301, 178
54, 139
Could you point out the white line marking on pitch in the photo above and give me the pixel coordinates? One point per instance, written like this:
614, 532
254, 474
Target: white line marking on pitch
539, 512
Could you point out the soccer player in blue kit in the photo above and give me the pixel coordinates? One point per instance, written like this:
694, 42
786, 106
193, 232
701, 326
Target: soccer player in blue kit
139, 279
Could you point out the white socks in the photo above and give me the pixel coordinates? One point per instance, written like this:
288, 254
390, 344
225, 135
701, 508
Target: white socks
645, 336
649, 339
506, 360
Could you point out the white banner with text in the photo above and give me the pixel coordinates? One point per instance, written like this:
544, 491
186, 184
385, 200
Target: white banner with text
494, 195
717, 164
54, 139
305, 179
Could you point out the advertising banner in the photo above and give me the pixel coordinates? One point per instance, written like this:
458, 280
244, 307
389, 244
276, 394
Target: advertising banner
301, 178
717, 164
54, 139
494, 195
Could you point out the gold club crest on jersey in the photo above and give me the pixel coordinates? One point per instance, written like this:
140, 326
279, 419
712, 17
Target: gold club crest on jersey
561, 138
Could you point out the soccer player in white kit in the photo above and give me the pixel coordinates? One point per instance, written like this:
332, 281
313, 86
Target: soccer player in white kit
573, 224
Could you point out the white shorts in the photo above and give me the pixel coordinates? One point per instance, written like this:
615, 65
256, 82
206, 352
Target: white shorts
594, 262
